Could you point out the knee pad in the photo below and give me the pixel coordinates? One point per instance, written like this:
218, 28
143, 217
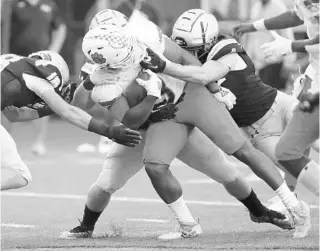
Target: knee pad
227, 173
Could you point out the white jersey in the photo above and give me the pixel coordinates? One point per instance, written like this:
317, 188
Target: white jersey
110, 84
312, 31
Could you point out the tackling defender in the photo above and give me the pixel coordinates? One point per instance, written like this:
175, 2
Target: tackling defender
36, 86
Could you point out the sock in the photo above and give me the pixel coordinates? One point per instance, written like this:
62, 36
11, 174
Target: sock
309, 177
181, 211
90, 217
253, 204
288, 198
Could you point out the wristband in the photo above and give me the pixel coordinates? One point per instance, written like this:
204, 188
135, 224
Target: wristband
259, 25
87, 84
98, 127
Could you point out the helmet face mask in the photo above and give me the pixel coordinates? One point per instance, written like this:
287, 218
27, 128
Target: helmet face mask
309, 8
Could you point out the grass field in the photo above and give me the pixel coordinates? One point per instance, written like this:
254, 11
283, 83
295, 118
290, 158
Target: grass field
34, 217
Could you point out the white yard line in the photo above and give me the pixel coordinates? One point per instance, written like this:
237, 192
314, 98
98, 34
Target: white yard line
148, 220
124, 199
14, 225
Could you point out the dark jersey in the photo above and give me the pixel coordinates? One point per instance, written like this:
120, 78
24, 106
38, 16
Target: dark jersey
32, 26
254, 98
14, 89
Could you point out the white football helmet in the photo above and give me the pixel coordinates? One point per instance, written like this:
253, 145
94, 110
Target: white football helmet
55, 60
108, 16
112, 47
196, 30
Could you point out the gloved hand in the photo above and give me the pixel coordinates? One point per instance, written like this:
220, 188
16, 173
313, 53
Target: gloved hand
241, 29
153, 85
279, 47
165, 112
153, 62
226, 97
308, 101
68, 90
123, 135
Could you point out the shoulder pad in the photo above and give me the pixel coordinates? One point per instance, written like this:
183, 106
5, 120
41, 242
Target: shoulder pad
224, 47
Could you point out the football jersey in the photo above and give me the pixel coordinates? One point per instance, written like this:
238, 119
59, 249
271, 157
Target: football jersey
23, 78
254, 98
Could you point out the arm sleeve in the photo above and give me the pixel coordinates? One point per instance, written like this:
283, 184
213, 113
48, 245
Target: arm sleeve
233, 61
36, 84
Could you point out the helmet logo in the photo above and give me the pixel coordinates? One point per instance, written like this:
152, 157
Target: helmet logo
98, 58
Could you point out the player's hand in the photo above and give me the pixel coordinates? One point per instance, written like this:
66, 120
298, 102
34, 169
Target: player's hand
280, 46
226, 97
165, 112
68, 90
124, 136
309, 101
241, 29
153, 85
153, 62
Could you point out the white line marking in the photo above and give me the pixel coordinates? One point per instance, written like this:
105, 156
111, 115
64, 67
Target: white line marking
124, 199
14, 225
148, 220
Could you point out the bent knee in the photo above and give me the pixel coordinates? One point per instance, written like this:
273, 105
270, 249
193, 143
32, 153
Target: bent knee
245, 151
155, 169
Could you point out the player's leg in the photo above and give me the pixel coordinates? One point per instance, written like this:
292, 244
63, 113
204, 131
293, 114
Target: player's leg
163, 142
202, 155
120, 164
14, 172
199, 108
300, 133
41, 128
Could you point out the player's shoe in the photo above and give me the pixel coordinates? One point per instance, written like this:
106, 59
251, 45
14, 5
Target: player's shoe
80, 231
185, 231
275, 218
277, 205
301, 219
39, 149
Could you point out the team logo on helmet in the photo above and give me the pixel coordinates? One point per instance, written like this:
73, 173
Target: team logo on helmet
98, 58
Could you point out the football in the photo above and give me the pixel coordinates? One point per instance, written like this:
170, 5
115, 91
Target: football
135, 93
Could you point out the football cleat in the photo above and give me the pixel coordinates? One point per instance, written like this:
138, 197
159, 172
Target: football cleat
301, 219
186, 231
80, 231
275, 218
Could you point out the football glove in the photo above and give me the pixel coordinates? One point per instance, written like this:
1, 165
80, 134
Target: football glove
153, 85
226, 97
279, 47
153, 62
123, 135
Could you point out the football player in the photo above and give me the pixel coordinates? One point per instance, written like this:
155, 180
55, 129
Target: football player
256, 102
292, 148
121, 163
36, 86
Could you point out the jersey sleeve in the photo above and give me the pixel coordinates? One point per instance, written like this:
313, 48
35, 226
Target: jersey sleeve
233, 61
36, 84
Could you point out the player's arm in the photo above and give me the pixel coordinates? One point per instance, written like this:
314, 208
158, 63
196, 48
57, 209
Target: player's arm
78, 117
132, 117
285, 20
82, 95
302, 45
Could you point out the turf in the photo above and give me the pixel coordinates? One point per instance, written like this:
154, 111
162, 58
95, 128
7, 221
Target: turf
55, 199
